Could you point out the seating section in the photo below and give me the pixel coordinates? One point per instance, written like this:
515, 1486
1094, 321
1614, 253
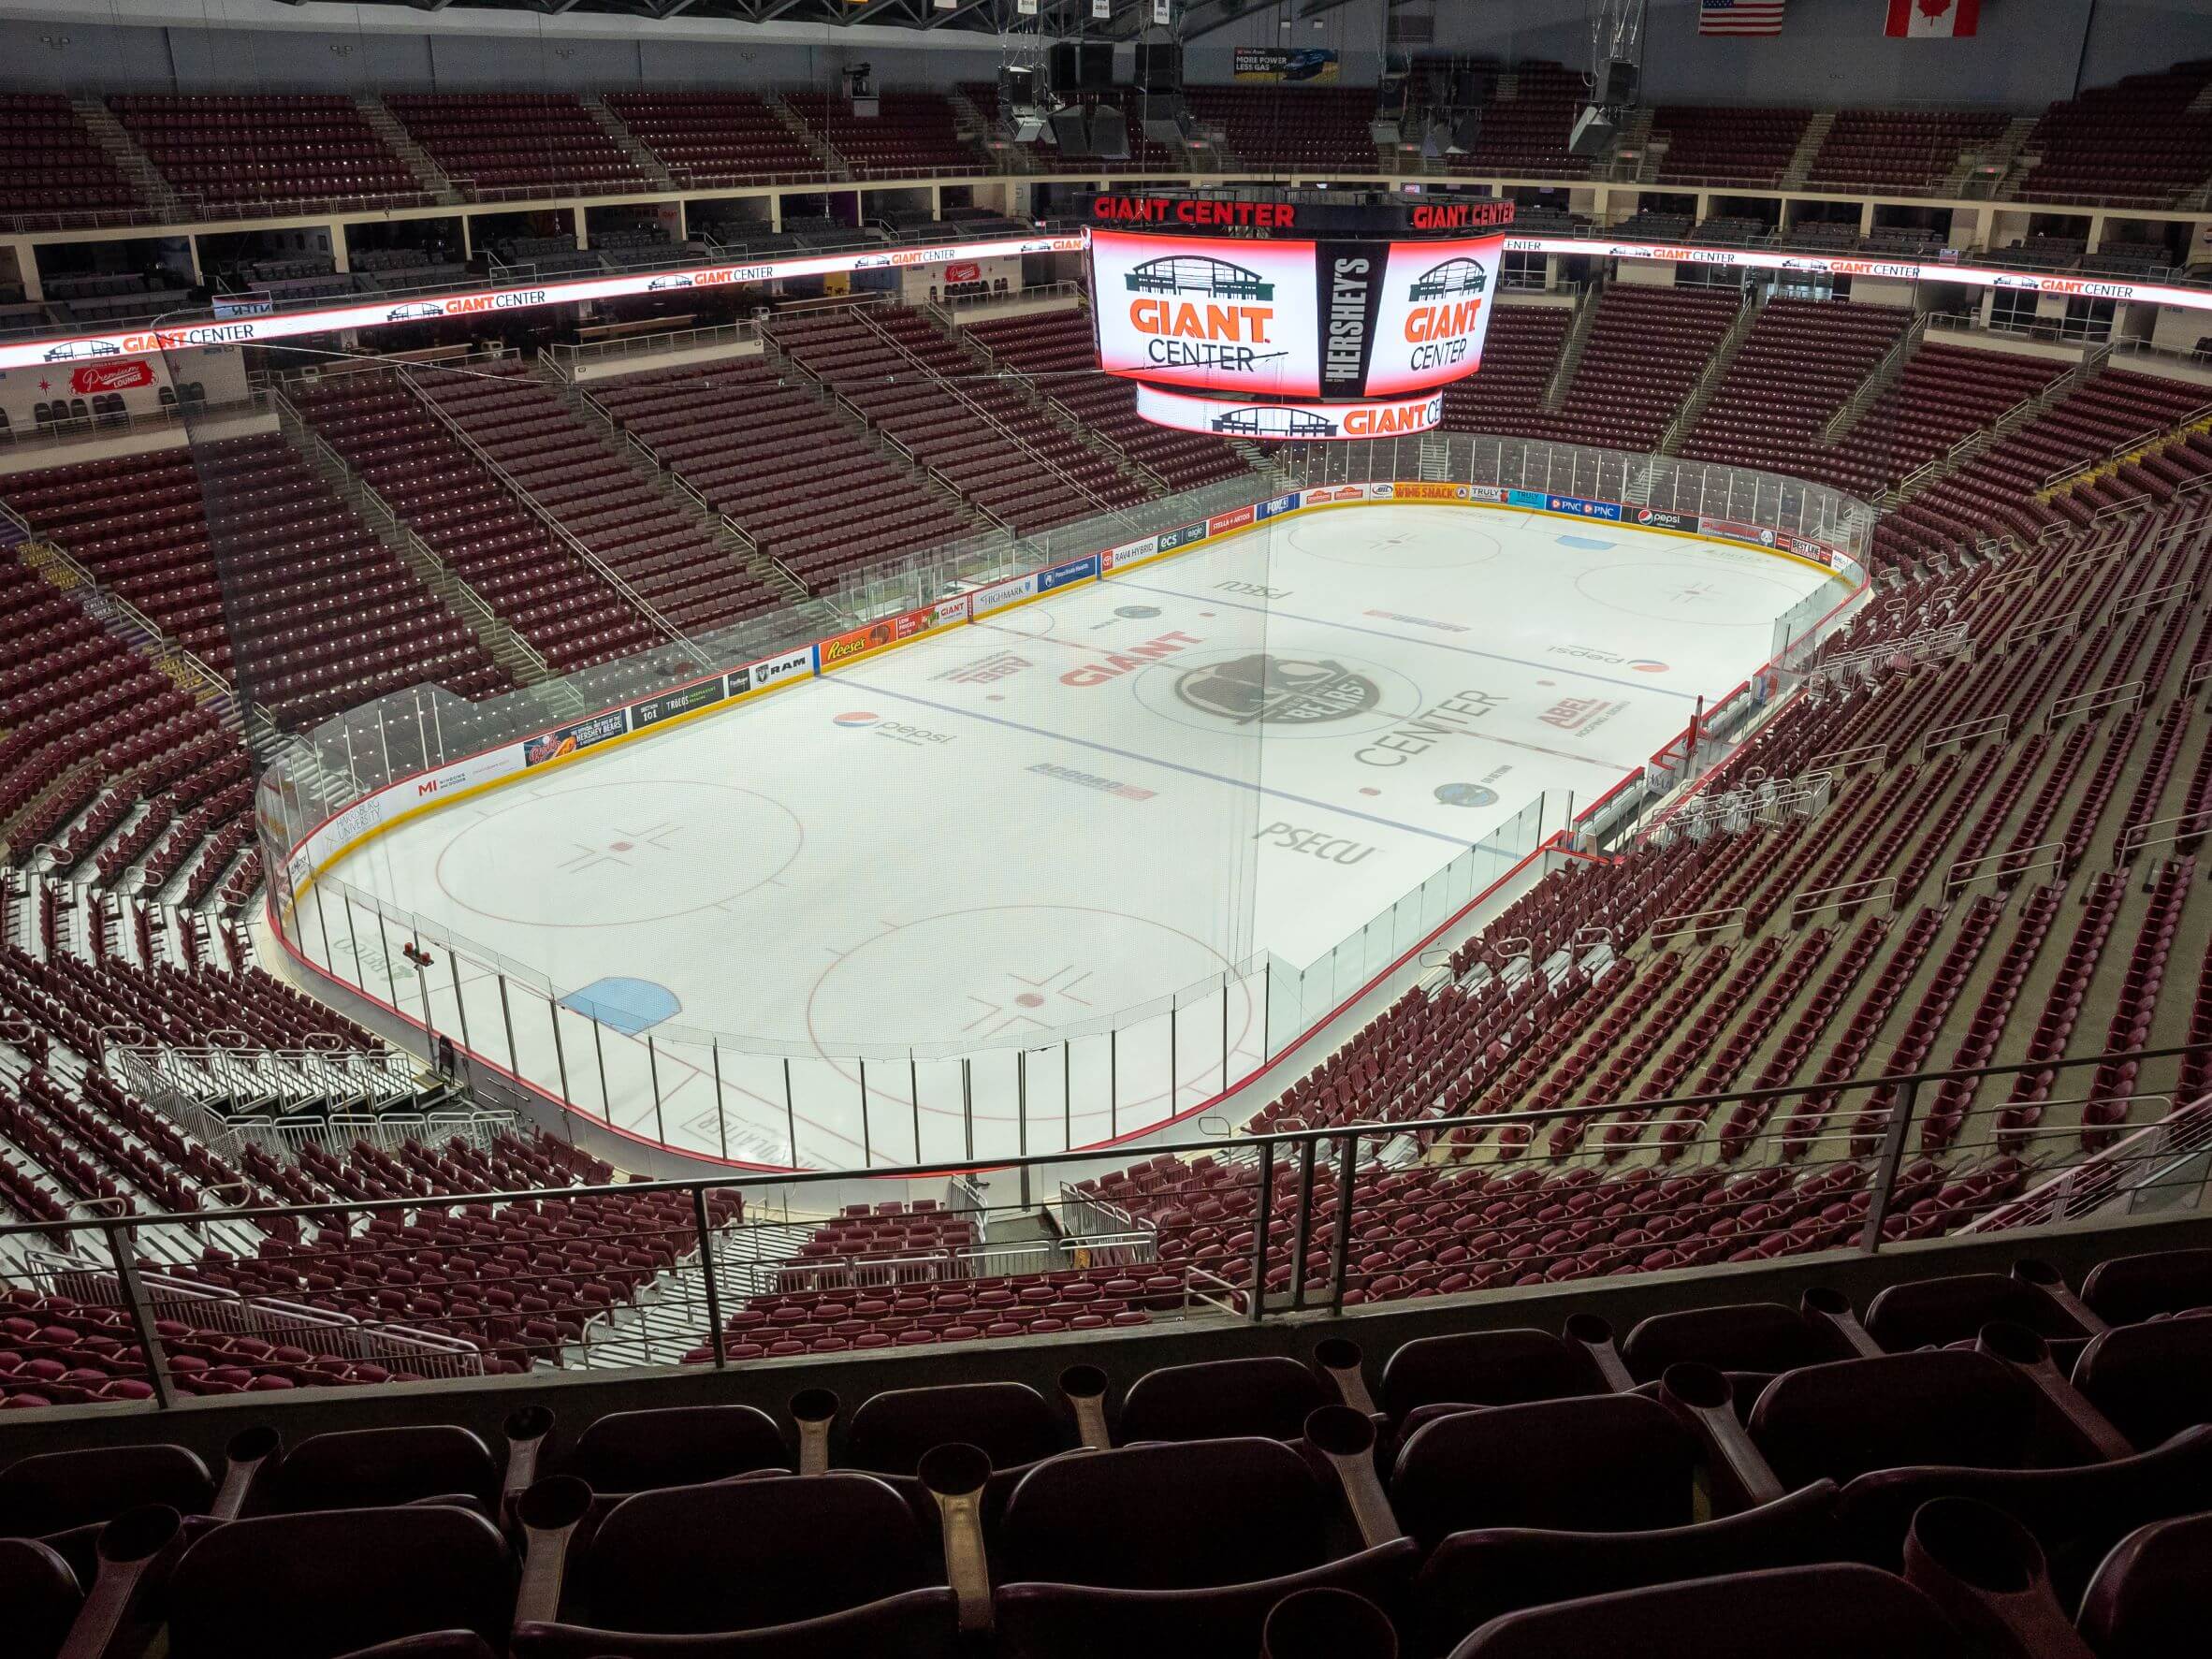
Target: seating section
786, 469
982, 436
1520, 355
1801, 363
275, 568
564, 464
912, 132
234, 151
536, 583
1729, 144
1284, 130
1898, 152
1487, 1491
1645, 349
714, 138
1996, 492
50, 163
2137, 143
532, 143
1057, 350
1526, 125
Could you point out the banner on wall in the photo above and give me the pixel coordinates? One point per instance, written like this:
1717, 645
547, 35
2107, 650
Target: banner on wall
685, 699
1416, 490
1656, 519
776, 670
1307, 63
1066, 575
998, 595
90, 379
563, 741
1129, 553
1583, 507
1734, 530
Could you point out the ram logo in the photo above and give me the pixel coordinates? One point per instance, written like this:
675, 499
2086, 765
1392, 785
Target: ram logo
1194, 273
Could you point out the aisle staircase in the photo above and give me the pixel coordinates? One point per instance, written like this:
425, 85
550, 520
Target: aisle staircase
1710, 377
400, 142
1570, 349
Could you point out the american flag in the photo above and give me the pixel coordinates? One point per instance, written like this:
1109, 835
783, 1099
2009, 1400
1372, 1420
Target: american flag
1740, 17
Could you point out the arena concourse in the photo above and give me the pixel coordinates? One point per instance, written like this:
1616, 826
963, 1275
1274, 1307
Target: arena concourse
1081, 831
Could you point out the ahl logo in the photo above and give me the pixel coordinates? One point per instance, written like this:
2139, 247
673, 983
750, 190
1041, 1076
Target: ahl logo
1277, 691
857, 717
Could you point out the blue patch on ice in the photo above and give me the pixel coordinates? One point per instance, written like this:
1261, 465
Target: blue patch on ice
1589, 544
627, 1006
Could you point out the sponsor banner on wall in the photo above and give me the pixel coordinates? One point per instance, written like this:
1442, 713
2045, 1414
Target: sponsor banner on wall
651, 711
465, 774
1380, 492
998, 595
290, 324
964, 270
88, 378
1329, 494
1277, 62
1418, 489
1181, 537
1736, 529
1129, 553
1222, 523
1583, 507
1066, 575
887, 630
775, 670
1656, 518
569, 739
1527, 498
1278, 507
1489, 493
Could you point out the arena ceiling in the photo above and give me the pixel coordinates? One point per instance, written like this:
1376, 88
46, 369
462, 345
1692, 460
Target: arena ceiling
1057, 17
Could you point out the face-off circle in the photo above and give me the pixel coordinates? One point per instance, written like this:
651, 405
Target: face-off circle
1693, 593
618, 854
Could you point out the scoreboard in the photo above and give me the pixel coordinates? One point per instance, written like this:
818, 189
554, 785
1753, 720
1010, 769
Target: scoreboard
1278, 317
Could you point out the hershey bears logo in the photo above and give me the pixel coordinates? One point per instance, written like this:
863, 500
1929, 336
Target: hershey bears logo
1277, 691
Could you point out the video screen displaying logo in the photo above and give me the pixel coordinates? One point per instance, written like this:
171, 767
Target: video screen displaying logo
1207, 312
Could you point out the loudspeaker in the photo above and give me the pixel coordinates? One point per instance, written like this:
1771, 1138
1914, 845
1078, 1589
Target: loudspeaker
1097, 65
1592, 133
1067, 70
1110, 134
1160, 67
1465, 128
1617, 85
1071, 133
1163, 118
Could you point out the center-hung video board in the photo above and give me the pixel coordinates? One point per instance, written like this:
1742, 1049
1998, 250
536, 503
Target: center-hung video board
1292, 317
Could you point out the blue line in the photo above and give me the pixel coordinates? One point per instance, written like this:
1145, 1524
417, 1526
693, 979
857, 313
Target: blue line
1571, 673
1145, 760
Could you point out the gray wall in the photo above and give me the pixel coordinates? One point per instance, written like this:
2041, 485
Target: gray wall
1831, 52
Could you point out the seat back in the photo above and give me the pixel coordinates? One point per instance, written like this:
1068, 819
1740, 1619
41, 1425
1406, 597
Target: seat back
328, 1582
1485, 1368
1812, 1612
2153, 1595
370, 1468
1609, 1462
1925, 1313
746, 1554
2129, 1289
1473, 1577
1764, 1336
1946, 1406
1269, 1395
50, 1491
40, 1597
1008, 1421
633, 1452
2152, 1380
1182, 1516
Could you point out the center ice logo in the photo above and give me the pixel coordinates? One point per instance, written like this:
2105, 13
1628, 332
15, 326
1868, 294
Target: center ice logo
1277, 691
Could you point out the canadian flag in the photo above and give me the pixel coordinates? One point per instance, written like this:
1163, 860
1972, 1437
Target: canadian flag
1924, 20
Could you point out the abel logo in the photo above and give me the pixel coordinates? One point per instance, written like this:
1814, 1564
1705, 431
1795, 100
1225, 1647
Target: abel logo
857, 717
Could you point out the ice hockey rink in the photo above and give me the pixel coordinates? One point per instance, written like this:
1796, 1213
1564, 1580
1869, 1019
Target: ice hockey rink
1006, 843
